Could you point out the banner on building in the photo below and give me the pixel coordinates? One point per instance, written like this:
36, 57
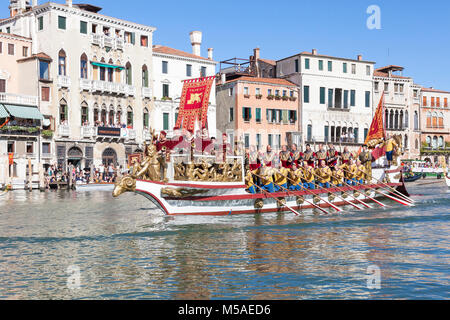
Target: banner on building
377, 130
194, 103
11, 158
111, 132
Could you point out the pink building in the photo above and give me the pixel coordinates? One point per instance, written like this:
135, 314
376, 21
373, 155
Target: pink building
258, 111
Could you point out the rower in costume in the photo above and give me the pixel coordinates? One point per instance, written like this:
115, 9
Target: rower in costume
324, 175
297, 156
296, 176
332, 156
285, 157
309, 156
308, 177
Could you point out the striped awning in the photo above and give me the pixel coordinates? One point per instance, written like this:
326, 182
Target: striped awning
3, 112
104, 65
23, 112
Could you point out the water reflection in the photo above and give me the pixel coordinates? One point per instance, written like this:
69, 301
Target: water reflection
126, 249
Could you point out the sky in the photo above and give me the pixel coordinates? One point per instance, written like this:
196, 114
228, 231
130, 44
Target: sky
414, 34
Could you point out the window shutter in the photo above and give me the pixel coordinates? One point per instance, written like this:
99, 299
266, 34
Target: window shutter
295, 115
243, 113
250, 113
133, 38
267, 114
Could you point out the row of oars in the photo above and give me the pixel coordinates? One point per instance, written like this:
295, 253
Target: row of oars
395, 195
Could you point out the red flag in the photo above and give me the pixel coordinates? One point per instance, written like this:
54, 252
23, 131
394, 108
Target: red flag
376, 130
194, 103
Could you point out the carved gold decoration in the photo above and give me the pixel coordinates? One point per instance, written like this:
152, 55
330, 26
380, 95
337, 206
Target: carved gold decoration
317, 199
259, 204
331, 197
300, 200
181, 192
368, 192
281, 202
126, 184
345, 195
356, 194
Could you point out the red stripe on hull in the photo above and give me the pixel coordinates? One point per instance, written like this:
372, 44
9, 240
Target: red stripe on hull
197, 186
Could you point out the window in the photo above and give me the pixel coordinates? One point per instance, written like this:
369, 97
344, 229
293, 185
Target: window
246, 91
326, 133
83, 27
306, 64
62, 23
8, 30
102, 73
352, 98
188, 70
128, 74
84, 115
321, 65
416, 121
330, 99
144, 76
145, 118
277, 93
46, 148
246, 114
306, 94
11, 147
258, 115
165, 67
258, 141
231, 114
257, 91
83, 67
432, 101
366, 132
367, 99
269, 92
62, 63
345, 99
130, 37
41, 23
344, 67
43, 70
445, 102
62, 113
368, 70
415, 93
376, 86
353, 68
45, 93
144, 41
424, 101
330, 65
165, 90
203, 72
130, 117
296, 65
230, 92
270, 140
2, 85
165, 121
291, 93
284, 93
11, 49
309, 133
322, 95
292, 116
386, 87
396, 86
25, 51
1, 47
438, 102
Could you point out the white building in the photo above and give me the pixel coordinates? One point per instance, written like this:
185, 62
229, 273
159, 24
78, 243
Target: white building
336, 96
96, 91
170, 68
402, 107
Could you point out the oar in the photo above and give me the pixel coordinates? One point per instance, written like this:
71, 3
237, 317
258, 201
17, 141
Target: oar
314, 205
368, 197
399, 200
285, 205
404, 198
350, 203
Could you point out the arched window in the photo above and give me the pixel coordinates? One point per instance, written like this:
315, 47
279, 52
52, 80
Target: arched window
110, 72
62, 63
428, 141
428, 119
386, 118
119, 116
84, 114
441, 142
102, 71
391, 120
144, 76
83, 66
103, 119
416, 120
111, 116
109, 156
441, 120
145, 118
309, 133
406, 142
130, 117
63, 112
128, 74
406, 119
416, 144
96, 119
435, 142
396, 120
435, 120
401, 120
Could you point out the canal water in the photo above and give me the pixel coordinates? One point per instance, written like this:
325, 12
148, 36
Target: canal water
87, 245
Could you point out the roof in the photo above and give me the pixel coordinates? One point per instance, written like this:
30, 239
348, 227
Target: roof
390, 68
434, 90
307, 53
272, 62
386, 75
14, 35
88, 7
273, 81
41, 56
175, 52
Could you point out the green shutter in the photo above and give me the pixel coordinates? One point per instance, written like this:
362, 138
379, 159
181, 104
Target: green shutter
295, 115
306, 63
352, 98
258, 114
330, 98
133, 38
284, 116
306, 94
320, 64
165, 121
267, 114
250, 113
83, 27
345, 98
62, 23
322, 95
243, 113
41, 23
367, 99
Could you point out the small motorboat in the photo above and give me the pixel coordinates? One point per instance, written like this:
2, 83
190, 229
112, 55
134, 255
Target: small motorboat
413, 178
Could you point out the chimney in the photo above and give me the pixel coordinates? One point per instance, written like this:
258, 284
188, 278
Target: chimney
314, 52
223, 78
210, 53
69, 3
196, 41
359, 57
256, 54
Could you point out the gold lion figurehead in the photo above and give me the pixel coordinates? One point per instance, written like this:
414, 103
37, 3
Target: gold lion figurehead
127, 184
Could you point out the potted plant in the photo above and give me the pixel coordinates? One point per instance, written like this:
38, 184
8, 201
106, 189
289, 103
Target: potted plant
293, 98
258, 96
47, 134
270, 97
277, 97
285, 98
246, 96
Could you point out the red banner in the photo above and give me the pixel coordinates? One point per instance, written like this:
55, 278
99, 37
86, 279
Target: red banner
11, 158
377, 128
194, 103
134, 157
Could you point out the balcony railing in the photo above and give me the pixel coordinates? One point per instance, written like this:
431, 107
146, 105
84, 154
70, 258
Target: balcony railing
130, 90
131, 134
106, 86
339, 109
64, 130
13, 98
88, 131
146, 92
63, 82
107, 41
85, 84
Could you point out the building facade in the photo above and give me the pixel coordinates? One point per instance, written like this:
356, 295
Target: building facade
258, 111
402, 107
336, 97
96, 91
435, 124
170, 68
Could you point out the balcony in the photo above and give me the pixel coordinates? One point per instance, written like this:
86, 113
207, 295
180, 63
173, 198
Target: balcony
146, 92
13, 98
85, 84
338, 109
64, 130
63, 82
119, 43
108, 87
107, 41
20, 130
88, 132
130, 90
131, 134
146, 135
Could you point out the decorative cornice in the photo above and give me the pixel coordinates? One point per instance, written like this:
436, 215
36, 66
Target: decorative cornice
181, 58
